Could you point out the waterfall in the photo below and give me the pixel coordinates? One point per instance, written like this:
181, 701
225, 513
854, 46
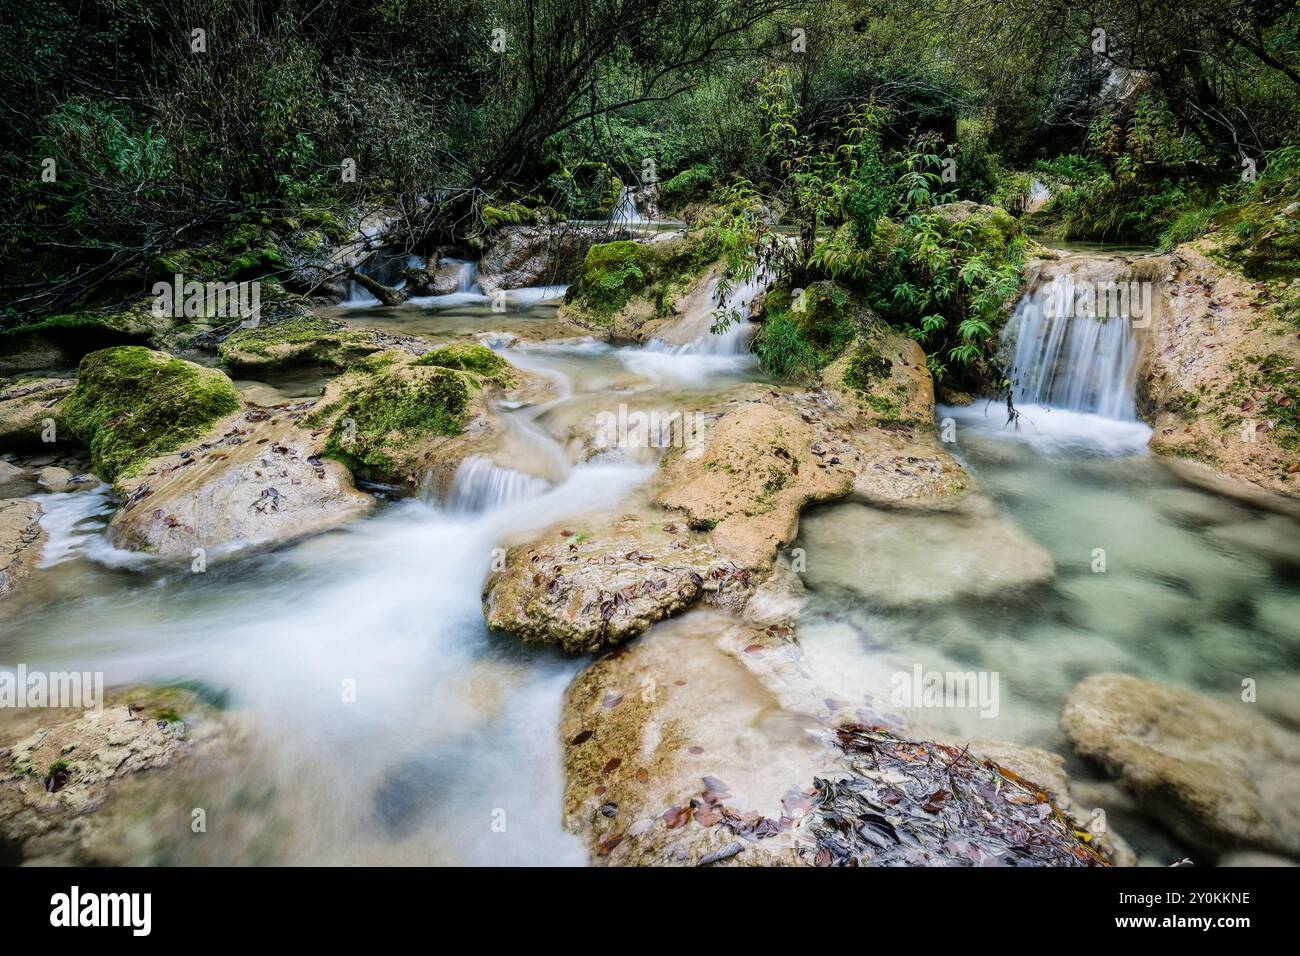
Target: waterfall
481, 485
625, 210
1069, 354
466, 275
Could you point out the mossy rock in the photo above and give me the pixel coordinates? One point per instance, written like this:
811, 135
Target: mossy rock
512, 214
991, 229
132, 404
64, 339
615, 273
803, 331
387, 409
302, 341
478, 360
1261, 241
690, 185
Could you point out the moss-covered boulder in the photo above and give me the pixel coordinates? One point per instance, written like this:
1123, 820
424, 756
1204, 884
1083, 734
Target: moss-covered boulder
477, 360
59, 341
301, 341
804, 330
626, 284
387, 409
990, 229
132, 404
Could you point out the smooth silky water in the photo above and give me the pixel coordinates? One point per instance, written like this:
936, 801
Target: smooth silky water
449, 753
454, 729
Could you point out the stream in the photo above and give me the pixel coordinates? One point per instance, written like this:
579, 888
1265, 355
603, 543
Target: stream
451, 725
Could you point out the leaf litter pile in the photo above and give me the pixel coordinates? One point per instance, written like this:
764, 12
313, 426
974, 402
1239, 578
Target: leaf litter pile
903, 803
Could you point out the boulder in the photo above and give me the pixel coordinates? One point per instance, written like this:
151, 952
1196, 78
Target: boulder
132, 404
27, 410
600, 581
1222, 775
59, 781
676, 753
299, 341
258, 477
15, 482
1219, 377
58, 480
21, 540
746, 484
522, 256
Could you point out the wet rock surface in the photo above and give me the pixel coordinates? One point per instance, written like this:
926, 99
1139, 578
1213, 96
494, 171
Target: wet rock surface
1218, 375
602, 581
1222, 775
61, 769
748, 482
257, 478
21, 539
677, 753
25, 408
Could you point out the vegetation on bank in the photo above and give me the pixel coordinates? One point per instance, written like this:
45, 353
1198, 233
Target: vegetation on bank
132, 404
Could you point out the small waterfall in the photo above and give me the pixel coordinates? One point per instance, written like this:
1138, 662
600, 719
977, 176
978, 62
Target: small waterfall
625, 210
466, 275
481, 485
1067, 355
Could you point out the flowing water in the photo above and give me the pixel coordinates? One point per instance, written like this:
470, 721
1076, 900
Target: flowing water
449, 753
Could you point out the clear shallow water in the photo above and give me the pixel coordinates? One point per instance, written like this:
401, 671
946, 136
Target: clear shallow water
452, 724
1197, 590
453, 730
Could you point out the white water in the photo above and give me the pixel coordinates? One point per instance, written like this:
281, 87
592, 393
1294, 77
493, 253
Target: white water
625, 211
481, 485
1071, 361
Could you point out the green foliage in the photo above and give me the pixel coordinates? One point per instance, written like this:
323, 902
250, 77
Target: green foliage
132, 404
804, 330
690, 185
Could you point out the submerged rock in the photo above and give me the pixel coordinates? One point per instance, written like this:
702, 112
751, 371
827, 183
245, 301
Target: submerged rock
1220, 774
21, 539
56, 779
600, 582
256, 478
897, 559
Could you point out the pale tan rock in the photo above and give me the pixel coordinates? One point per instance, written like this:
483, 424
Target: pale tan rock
748, 482
1220, 773
256, 478
26, 407
1199, 380
21, 540
56, 777
598, 582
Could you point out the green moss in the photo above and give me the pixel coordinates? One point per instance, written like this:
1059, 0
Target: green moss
690, 185
388, 409
866, 367
802, 334
615, 273
306, 340
474, 358
512, 214
1259, 241
132, 404
71, 335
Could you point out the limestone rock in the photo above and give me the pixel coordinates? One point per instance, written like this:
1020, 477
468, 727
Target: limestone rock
21, 540
1220, 773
